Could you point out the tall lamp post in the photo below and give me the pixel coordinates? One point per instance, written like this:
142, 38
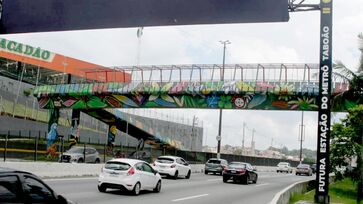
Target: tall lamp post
225, 43
195, 122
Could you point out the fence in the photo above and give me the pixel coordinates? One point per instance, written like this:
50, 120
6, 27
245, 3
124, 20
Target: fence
31, 145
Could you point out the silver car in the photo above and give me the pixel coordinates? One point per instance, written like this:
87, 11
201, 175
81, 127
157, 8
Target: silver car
80, 155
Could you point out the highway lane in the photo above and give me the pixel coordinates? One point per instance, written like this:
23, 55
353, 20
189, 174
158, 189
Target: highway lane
197, 190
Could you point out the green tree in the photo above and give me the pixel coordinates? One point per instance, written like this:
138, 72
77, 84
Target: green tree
354, 95
346, 143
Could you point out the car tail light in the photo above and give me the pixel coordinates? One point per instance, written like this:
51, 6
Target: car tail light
173, 166
225, 170
131, 171
241, 171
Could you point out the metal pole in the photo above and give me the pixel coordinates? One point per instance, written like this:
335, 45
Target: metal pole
243, 139
301, 135
220, 110
191, 138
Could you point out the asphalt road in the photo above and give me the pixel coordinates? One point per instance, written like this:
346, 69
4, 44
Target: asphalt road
199, 189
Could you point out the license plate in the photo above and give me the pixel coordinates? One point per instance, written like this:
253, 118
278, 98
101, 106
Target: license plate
233, 172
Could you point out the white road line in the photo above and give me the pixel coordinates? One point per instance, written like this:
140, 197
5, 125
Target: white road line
218, 179
71, 179
190, 197
262, 184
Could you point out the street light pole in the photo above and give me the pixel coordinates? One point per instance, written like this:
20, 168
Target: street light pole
243, 139
301, 135
220, 110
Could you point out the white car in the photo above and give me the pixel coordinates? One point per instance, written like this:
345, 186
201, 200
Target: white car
172, 166
284, 167
129, 174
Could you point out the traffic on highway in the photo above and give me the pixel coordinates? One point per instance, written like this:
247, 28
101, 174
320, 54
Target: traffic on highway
169, 179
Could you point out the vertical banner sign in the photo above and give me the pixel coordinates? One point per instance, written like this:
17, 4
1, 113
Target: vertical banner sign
325, 74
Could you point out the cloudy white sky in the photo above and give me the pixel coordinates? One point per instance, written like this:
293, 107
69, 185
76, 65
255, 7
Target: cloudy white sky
296, 41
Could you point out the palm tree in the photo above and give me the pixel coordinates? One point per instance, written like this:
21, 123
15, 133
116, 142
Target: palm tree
354, 95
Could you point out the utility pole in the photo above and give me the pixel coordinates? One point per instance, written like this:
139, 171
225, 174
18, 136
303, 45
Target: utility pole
301, 135
220, 110
243, 139
253, 142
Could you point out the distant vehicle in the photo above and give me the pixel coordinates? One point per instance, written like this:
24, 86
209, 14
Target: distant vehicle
313, 168
141, 155
284, 167
129, 174
24, 187
76, 154
172, 166
214, 165
240, 172
304, 169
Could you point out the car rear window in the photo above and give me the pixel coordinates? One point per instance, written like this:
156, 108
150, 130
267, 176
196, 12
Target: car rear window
165, 160
117, 166
237, 165
214, 161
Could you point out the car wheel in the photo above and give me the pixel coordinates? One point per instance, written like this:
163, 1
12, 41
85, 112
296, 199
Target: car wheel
225, 179
188, 175
297, 174
136, 190
245, 180
97, 161
176, 175
277, 171
101, 188
255, 181
157, 187
80, 160
205, 172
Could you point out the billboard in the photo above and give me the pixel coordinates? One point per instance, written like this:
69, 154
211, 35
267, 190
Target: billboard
21, 16
37, 56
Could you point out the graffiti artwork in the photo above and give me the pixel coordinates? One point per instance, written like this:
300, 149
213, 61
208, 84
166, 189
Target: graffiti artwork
204, 95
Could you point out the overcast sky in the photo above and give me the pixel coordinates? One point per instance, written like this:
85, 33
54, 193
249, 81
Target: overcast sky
296, 41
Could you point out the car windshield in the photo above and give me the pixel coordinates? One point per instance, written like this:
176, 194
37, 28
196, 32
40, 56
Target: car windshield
214, 161
303, 166
117, 166
237, 165
165, 160
77, 150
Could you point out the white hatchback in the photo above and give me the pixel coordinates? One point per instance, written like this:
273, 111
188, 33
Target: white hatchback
129, 174
172, 166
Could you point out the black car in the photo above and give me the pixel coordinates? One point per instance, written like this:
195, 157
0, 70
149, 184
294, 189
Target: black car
240, 172
23, 187
313, 168
215, 166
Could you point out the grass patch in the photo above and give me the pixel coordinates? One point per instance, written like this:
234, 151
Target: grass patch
340, 192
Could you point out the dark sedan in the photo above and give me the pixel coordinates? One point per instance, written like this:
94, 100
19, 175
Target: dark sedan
23, 187
240, 172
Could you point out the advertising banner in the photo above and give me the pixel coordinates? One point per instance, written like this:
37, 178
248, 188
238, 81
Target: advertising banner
21, 16
324, 103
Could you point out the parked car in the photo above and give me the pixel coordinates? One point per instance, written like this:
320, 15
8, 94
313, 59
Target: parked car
304, 169
240, 172
284, 167
24, 187
76, 154
313, 168
172, 166
129, 174
214, 165
141, 155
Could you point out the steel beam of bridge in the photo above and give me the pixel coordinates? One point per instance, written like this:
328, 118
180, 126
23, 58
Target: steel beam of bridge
203, 95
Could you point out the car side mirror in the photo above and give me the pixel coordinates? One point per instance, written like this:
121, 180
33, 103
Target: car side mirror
186, 164
155, 171
61, 200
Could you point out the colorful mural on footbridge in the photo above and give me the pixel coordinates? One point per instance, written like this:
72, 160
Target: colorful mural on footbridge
201, 95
